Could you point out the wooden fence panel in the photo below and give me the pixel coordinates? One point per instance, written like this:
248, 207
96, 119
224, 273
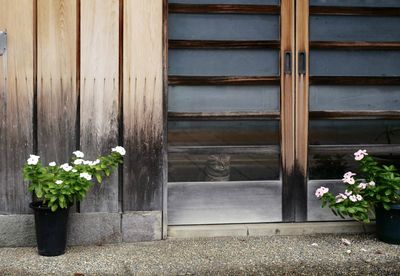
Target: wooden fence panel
100, 93
143, 104
16, 103
57, 66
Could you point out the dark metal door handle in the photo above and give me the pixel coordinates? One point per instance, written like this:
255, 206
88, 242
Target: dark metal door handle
288, 62
302, 63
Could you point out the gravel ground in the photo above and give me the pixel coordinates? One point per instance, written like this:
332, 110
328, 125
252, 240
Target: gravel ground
279, 255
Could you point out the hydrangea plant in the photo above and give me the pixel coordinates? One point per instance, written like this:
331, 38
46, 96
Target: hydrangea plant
378, 187
59, 186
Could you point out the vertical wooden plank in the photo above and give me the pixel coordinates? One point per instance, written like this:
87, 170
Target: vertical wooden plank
99, 93
165, 122
16, 103
302, 79
287, 109
143, 104
57, 94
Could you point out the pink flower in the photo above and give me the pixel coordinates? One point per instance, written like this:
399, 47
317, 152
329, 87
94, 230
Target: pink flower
340, 198
348, 175
362, 186
348, 192
359, 155
359, 197
353, 198
321, 191
349, 180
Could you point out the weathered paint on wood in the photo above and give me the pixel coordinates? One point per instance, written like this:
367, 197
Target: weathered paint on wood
143, 104
56, 75
16, 103
99, 94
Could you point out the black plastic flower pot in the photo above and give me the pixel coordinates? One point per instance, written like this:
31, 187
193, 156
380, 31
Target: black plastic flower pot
388, 224
51, 229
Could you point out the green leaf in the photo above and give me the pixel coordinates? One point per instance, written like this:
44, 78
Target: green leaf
54, 208
98, 177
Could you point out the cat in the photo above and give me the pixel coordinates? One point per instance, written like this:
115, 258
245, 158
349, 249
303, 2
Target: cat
217, 167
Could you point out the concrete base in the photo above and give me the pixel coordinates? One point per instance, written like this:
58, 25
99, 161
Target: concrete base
86, 228
269, 229
141, 226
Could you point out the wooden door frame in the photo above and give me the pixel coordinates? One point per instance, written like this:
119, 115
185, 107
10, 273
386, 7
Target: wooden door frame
293, 163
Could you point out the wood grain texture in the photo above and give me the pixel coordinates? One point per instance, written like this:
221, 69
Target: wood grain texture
346, 80
223, 44
99, 93
374, 11
16, 103
223, 8
287, 108
143, 104
221, 80
223, 115
356, 45
301, 122
57, 64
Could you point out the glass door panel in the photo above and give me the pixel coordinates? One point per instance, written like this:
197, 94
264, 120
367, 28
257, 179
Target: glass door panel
225, 112
354, 90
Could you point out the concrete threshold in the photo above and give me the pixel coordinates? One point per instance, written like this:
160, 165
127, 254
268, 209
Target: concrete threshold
269, 229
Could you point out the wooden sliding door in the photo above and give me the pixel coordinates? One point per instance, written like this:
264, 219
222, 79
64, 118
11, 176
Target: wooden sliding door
353, 90
230, 73
268, 99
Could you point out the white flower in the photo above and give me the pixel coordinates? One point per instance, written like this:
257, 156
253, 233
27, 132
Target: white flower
371, 183
74, 170
85, 176
119, 149
347, 193
79, 154
66, 167
52, 164
348, 175
321, 191
359, 197
359, 155
362, 186
58, 182
349, 180
87, 162
33, 159
78, 161
353, 198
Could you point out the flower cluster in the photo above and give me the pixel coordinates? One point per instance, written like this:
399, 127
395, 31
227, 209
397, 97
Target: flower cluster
61, 186
362, 195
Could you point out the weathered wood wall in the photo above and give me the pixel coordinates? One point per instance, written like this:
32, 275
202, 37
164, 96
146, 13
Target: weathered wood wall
17, 85
83, 74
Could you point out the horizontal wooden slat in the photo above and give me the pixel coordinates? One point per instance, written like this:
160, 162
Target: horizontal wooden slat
223, 8
367, 114
375, 148
223, 44
340, 80
378, 11
356, 45
221, 80
222, 115
224, 149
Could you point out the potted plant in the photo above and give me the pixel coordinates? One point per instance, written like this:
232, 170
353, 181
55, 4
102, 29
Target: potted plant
377, 192
57, 187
